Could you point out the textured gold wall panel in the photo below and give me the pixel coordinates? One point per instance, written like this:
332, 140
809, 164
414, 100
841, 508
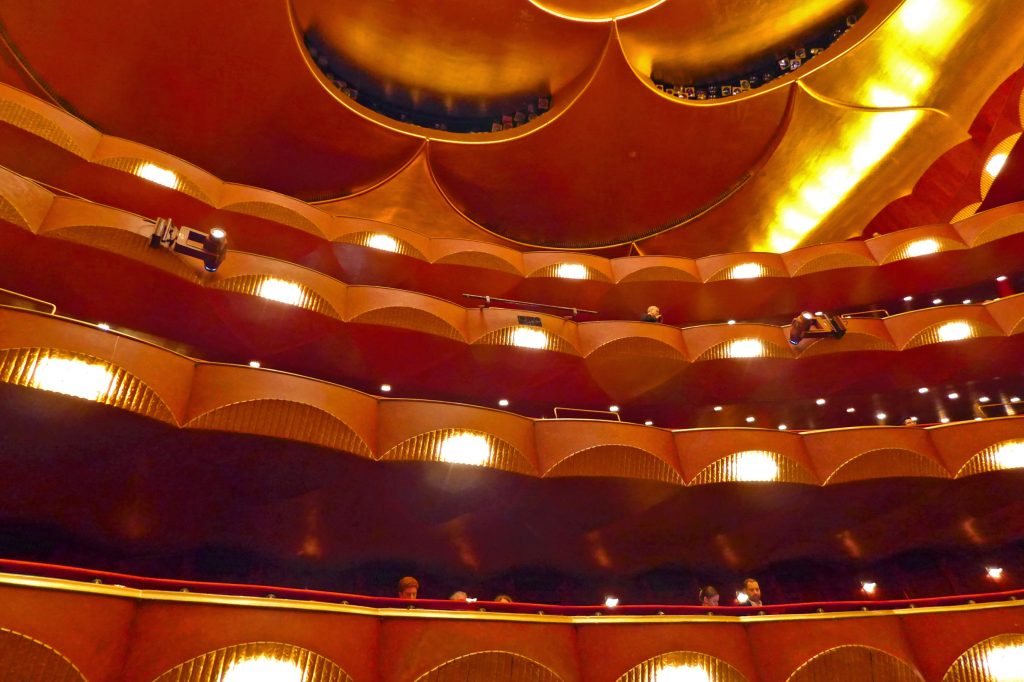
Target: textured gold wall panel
1000, 229
676, 665
659, 274
275, 213
552, 271
428, 447
10, 214
855, 664
930, 334
283, 419
766, 271
1007, 454
409, 318
732, 468
887, 463
490, 666
997, 659
478, 259
23, 659
724, 351
251, 285
38, 125
849, 343
620, 461
506, 337
966, 212
902, 252
834, 261
128, 244
212, 666
1003, 147
132, 165
125, 391
363, 239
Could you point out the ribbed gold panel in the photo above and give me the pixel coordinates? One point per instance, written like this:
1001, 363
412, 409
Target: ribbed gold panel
1003, 147
478, 259
366, 239
555, 271
489, 451
38, 125
965, 213
275, 213
683, 666
634, 349
934, 333
853, 663
1007, 454
753, 466
730, 272
271, 661
905, 251
507, 336
615, 461
726, 350
887, 463
658, 274
1002, 228
131, 165
10, 214
21, 367
997, 659
283, 419
128, 244
253, 285
847, 344
490, 666
23, 659
409, 318
834, 261
1018, 327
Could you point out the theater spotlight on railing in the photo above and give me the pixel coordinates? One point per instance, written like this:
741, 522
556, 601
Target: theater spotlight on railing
815, 326
210, 248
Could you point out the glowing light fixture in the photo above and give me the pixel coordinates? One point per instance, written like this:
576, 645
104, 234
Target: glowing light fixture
967, 301
908, 299
160, 176
611, 602
751, 420
255, 364
994, 572
1009, 455
756, 465
819, 401
742, 597
869, 586
944, 420
732, 322
922, 247
681, 673
262, 669
1001, 278
953, 396
851, 410
782, 427
995, 164
104, 326
613, 408
281, 291
718, 408
746, 271
746, 348
983, 399
465, 448
648, 423
382, 242
955, 331
527, 337
881, 416
1014, 399
218, 233
922, 390
385, 388
503, 402
1006, 664
936, 301
571, 271
72, 377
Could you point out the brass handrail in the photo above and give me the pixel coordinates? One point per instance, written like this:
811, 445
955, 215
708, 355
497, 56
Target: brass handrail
40, 305
488, 300
580, 409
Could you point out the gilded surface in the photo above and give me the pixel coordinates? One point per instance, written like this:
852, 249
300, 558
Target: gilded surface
493, 666
26, 660
485, 450
855, 664
997, 659
618, 461
886, 463
683, 666
257, 661
253, 285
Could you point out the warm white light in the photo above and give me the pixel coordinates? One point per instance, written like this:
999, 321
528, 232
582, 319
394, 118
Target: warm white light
72, 377
908, 299
868, 587
572, 271
465, 448
385, 388
611, 602
383, 242
820, 401
1009, 455
648, 423
983, 399
936, 301
782, 427
160, 176
994, 572
746, 271
503, 402
262, 669
750, 420
681, 673
527, 337
732, 322
922, 390
944, 420
254, 363
742, 597
746, 348
1001, 278
281, 291
718, 408
995, 164
922, 247
881, 416
954, 331
851, 410
104, 326
755, 465
1014, 399
613, 408
1006, 664
218, 233
953, 396
967, 301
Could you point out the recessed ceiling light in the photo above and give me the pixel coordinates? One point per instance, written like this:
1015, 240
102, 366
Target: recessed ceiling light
967, 301
1014, 399
820, 401
908, 299
503, 403
944, 420
922, 390
732, 321
254, 363
750, 420
611, 602
1001, 278
718, 408
851, 410
104, 326
881, 416
983, 399
936, 301
613, 408
782, 427
385, 388
953, 396
648, 423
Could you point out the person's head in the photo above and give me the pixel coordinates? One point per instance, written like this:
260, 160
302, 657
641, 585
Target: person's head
752, 589
654, 311
503, 598
459, 595
708, 596
408, 587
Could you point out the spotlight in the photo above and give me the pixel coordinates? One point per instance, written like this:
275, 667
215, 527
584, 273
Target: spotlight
908, 299
1014, 399
936, 301
851, 410
1001, 278
718, 408
732, 322
611, 602
922, 390
994, 572
983, 399
820, 401
817, 325
385, 388
944, 420
869, 587
613, 408
967, 301
782, 427
648, 423
104, 326
503, 402
953, 396
254, 364
210, 248
750, 420
881, 416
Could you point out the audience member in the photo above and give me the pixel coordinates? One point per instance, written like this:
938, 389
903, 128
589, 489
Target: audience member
653, 314
708, 596
408, 587
458, 595
503, 598
753, 592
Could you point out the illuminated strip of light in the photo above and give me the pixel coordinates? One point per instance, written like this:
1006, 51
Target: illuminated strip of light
755, 465
681, 673
995, 164
72, 377
525, 337
465, 448
262, 669
160, 176
955, 331
571, 271
383, 242
746, 348
281, 291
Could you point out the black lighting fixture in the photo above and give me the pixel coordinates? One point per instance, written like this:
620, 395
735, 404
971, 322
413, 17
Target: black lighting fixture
211, 248
815, 326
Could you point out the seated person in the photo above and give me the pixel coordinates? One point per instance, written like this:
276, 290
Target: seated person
653, 314
458, 595
708, 596
753, 593
503, 598
408, 587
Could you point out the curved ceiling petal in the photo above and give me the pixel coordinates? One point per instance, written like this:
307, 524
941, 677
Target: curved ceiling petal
596, 10
621, 162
